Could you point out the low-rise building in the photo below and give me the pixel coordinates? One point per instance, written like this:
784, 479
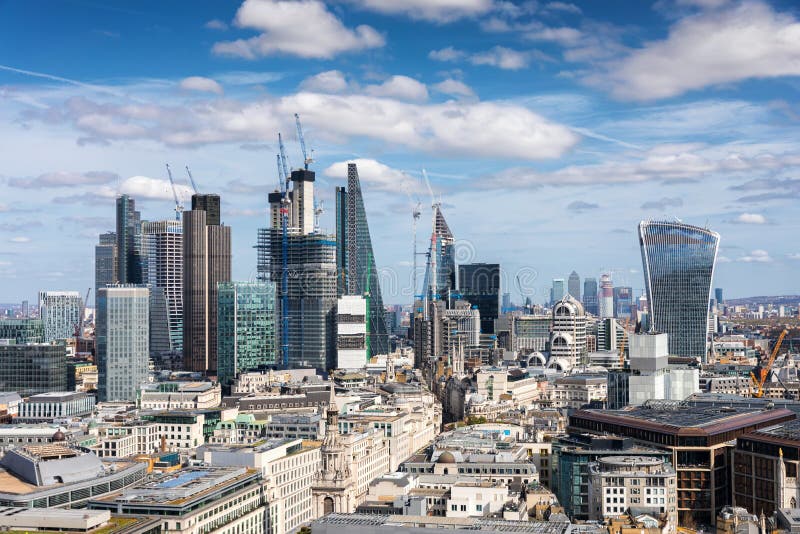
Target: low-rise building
576, 391
128, 439
181, 430
180, 396
47, 407
296, 426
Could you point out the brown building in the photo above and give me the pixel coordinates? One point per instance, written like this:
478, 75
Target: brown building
765, 465
206, 262
699, 440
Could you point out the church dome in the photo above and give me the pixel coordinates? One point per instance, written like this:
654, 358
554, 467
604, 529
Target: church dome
59, 436
446, 457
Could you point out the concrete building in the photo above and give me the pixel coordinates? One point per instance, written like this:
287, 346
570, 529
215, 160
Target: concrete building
530, 333
605, 297
127, 440
651, 375
573, 392
123, 341
60, 312
180, 430
288, 468
33, 368
618, 484
46, 407
408, 524
296, 426
206, 263
351, 332
568, 336
197, 499
180, 395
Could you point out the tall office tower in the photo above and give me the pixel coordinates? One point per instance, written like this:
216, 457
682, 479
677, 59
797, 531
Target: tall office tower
590, 296
60, 311
351, 332
718, 295
479, 284
568, 334
302, 212
129, 261
158, 322
605, 297
162, 244
574, 285
678, 261
558, 290
359, 275
24, 311
311, 291
123, 336
623, 302
506, 305
206, 263
105, 262
440, 273
246, 322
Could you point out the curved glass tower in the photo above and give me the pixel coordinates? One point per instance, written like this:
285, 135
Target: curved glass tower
678, 261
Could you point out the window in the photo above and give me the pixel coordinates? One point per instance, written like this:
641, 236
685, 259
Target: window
479, 507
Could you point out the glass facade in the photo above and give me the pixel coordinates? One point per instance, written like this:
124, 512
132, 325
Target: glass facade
246, 322
678, 261
60, 311
479, 284
33, 369
22, 330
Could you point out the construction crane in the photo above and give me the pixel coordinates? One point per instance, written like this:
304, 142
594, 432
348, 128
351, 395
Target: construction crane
191, 179
78, 330
622, 349
416, 212
306, 158
763, 372
178, 207
284, 176
319, 209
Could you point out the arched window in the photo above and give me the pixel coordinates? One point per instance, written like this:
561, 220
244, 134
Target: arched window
327, 506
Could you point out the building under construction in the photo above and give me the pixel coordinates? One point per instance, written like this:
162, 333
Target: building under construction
310, 303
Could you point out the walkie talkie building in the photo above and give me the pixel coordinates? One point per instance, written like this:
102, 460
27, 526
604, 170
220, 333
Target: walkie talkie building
678, 261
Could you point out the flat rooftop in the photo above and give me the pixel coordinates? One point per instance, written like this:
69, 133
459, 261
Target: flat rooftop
403, 522
786, 433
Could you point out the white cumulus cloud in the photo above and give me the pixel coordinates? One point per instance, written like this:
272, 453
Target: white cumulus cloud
201, 84
20, 239
756, 256
430, 10
304, 28
330, 81
64, 179
400, 87
454, 88
379, 176
751, 218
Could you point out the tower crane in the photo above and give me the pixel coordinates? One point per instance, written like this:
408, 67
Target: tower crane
415, 214
191, 179
319, 209
284, 176
78, 330
306, 158
758, 383
178, 207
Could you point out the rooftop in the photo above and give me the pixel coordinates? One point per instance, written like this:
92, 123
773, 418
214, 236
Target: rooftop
786, 433
461, 523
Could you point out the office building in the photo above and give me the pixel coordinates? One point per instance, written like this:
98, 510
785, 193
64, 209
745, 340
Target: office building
440, 273
590, 296
568, 334
351, 332
605, 297
123, 337
106, 262
162, 243
33, 368
678, 261
718, 295
623, 302
558, 290
60, 311
479, 284
206, 263
246, 323
356, 259
574, 285
530, 333
45, 407
22, 331
129, 245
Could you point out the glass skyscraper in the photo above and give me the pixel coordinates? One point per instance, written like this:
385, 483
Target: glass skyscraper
246, 322
678, 261
479, 284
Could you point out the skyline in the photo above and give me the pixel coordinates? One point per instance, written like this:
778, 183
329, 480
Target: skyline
530, 134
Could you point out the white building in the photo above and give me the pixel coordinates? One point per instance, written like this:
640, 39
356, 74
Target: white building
476, 498
576, 391
60, 311
617, 483
568, 337
180, 395
351, 332
123, 349
46, 407
127, 440
288, 468
651, 375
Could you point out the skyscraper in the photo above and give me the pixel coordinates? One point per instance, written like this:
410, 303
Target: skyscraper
718, 295
479, 284
605, 297
162, 244
129, 267
356, 259
122, 341
558, 291
590, 295
60, 311
568, 334
440, 274
678, 261
574, 285
623, 301
246, 322
105, 262
206, 262
311, 290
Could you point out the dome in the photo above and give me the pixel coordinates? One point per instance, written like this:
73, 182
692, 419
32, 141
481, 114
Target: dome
59, 436
568, 306
446, 458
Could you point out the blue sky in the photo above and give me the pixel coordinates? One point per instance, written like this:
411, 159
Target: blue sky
548, 129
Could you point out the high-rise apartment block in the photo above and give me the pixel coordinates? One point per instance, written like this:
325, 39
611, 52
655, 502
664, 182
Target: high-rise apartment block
60, 311
678, 261
246, 323
123, 338
206, 263
479, 284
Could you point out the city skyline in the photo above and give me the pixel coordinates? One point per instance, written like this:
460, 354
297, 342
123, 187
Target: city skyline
561, 148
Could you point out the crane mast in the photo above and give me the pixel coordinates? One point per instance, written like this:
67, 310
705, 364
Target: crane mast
283, 176
306, 158
178, 207
758, 383
191, 179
